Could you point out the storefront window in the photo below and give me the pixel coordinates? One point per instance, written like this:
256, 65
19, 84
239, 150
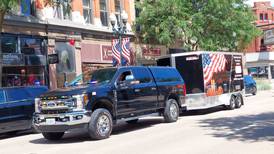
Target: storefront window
23, 61
259, 72
30, 46
9, 44
23, 76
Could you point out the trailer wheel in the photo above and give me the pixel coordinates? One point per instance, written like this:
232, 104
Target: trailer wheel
53, 136
238, 101
232, 103
171, 112
100, 125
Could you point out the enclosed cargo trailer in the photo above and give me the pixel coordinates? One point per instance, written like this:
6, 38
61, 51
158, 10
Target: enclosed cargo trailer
211, 78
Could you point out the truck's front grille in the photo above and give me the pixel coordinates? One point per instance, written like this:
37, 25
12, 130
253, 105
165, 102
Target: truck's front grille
58, 106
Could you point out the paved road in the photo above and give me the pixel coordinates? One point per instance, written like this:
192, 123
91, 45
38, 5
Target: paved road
243, 131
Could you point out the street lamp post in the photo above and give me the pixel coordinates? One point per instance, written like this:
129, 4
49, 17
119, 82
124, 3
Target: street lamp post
120, 29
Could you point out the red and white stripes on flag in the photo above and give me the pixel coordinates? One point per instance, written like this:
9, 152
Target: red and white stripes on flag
116, 52
126, 50
121, 50
212, 63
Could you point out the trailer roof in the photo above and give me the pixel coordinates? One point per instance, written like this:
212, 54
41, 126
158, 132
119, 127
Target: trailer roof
198, 53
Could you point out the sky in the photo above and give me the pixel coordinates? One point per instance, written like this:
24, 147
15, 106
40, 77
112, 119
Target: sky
251, 2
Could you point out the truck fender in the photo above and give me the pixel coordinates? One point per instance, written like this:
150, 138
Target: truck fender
173, 96
105, 103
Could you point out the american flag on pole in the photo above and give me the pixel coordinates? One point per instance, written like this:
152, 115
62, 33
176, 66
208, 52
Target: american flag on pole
116, 49
212, 63
126, 50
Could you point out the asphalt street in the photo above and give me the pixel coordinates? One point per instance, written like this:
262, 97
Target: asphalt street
249, 130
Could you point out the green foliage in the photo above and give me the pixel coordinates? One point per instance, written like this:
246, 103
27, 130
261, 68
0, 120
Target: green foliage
212, 24
6, 5
263, 84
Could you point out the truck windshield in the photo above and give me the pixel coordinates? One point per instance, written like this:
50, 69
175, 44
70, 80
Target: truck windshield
102, 75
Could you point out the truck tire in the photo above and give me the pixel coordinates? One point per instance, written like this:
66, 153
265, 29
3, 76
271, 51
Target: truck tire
254, 90
171, 112
238, 101
232, 103
53, 136
134, 121
100, 125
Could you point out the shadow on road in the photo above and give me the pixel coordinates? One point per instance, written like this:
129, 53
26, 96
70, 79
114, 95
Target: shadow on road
14, 134
251, 128
82, 135
203, 112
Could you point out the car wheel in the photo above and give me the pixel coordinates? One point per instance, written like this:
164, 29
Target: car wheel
53, 135
134, 121
100, 125
254, 91
232, 103
238, 101
171, 112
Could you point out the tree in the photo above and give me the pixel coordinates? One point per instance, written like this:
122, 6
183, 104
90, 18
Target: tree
197, 24
5, 6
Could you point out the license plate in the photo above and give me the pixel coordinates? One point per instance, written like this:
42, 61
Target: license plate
50, 121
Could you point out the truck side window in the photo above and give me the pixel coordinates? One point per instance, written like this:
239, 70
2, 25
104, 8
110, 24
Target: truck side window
143, 75
2, 96
127, 75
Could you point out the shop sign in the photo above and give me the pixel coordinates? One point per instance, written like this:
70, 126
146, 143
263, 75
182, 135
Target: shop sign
106, 53
13, 59
151, 51
53, 58
269, 37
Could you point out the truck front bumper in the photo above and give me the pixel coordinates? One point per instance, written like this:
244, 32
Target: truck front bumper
61, 122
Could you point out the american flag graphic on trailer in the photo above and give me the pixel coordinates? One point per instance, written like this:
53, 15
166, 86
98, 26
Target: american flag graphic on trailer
212, 63
126, 49
116, 57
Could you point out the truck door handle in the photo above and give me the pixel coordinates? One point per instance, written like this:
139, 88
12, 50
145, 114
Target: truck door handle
137, 90
153, 88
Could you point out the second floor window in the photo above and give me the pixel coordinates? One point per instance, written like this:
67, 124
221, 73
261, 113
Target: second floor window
87, 11
62, 9
104, 12
266, 16
261, 16
117, 9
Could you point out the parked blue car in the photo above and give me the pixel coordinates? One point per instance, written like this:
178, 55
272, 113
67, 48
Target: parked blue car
250, 85
17, 107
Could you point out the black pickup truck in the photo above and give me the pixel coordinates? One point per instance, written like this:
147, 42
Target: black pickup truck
112, 95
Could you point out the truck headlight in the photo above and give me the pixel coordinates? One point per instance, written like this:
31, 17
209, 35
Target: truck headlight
81, 100
37, 104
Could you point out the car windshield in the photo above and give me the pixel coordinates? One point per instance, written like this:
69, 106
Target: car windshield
102, 75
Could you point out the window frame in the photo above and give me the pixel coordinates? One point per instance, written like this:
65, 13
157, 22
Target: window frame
90, 9
105, 12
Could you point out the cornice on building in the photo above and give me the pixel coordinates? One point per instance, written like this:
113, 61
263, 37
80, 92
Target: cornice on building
51, 24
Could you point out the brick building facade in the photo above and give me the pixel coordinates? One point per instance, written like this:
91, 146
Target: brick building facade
259, 54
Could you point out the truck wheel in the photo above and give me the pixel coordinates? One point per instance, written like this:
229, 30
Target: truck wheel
254, 90
171, 112
134, 121
232, 103
100, 125
53, 135
238, 101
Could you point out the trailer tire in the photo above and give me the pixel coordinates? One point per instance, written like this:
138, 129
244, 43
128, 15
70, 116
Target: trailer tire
232, 103
53, 136
100, 125
238, 101
171, 112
